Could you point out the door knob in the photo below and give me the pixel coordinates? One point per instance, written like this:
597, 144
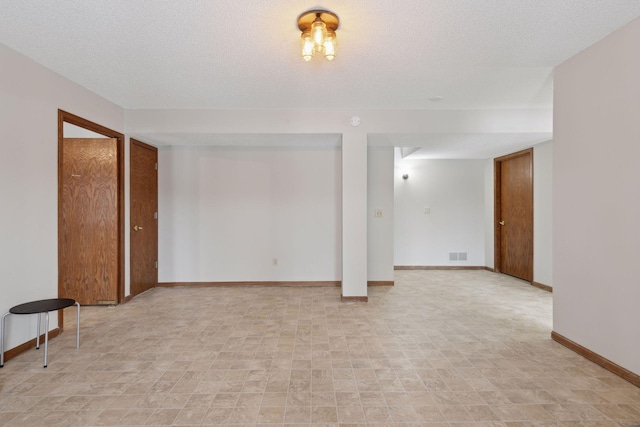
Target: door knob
501, 223
136, 228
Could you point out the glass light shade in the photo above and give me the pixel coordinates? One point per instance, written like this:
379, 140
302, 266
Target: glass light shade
318, 33
307, 46
330, 45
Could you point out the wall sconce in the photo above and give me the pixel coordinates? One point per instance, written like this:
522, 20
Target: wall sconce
405, 176
318, 33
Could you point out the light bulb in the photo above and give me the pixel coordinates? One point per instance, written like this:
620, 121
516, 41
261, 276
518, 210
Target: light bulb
307, 46
318, 33
330, 46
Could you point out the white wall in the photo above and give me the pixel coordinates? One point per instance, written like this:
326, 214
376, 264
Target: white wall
380, 168
489, 199
161, 124
596, 206
543, 213
30, 96
72, 131
226, 213
454, 191
354, 214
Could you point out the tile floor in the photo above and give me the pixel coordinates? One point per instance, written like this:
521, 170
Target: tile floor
441, 348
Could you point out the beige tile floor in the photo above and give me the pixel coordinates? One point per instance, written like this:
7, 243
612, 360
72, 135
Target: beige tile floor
441, 348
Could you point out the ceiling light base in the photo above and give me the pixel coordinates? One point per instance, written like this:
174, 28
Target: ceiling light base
306, 19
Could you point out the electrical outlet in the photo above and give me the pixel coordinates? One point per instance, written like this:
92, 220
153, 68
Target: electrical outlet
427, 210
378, 213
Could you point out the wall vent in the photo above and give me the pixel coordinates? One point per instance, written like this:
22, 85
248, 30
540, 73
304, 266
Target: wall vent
457, 256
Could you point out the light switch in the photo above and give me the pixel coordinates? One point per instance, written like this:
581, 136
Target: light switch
378, 213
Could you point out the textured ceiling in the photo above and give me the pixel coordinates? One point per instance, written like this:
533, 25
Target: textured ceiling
244, 54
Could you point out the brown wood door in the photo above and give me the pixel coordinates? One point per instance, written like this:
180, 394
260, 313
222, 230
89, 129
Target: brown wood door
514, 214
89, 220
144, 224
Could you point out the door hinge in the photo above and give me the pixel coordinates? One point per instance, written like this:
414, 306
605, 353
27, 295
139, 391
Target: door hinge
156, 264
156, 166
155, 215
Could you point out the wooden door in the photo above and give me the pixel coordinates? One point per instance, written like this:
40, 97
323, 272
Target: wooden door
144, 224
514, 214
89, 221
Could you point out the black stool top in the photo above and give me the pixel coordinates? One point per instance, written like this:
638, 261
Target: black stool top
42, 306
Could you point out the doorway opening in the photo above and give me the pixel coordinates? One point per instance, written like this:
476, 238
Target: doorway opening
90, 212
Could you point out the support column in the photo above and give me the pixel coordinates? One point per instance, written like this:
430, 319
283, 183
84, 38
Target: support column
354, 216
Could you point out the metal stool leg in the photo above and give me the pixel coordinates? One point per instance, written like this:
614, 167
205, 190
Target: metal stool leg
38, 331
78, 327
46, 337
2, 340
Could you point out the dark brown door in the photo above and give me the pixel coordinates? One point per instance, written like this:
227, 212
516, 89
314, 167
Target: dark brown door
89, 220
514, 214
144, 224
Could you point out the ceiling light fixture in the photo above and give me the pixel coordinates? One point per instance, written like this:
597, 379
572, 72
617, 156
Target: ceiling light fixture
318, 33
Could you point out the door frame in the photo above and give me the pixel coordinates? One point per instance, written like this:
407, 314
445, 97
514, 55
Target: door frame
497, 207
66, 117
